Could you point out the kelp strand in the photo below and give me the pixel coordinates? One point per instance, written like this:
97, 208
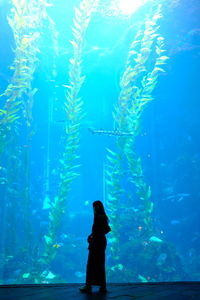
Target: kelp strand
74, 114
137, 84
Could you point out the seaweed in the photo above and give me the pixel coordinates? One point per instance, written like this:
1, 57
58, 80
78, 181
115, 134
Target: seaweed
139, 79
74, 114
25, 19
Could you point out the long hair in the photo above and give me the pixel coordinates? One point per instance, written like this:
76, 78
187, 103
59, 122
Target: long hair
99, 204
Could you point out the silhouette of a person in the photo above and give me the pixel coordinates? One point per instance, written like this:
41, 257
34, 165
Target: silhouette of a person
97, 245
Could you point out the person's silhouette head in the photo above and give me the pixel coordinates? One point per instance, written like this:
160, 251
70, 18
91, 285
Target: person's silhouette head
98, 208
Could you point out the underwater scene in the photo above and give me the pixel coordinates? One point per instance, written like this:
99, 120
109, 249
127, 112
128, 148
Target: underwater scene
99, 100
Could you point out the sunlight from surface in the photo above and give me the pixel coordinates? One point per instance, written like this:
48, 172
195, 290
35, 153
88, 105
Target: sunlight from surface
127, 7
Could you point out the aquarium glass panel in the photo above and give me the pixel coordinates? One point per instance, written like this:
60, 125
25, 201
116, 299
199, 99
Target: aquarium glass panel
99, 100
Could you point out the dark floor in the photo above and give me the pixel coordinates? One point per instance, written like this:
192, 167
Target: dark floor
144, 291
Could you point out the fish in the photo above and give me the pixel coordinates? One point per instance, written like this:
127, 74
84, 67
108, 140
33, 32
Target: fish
9, 257
142, 278
26, 275
177, 197
57, 245
119, 267
50, 275
111, 132
155, 239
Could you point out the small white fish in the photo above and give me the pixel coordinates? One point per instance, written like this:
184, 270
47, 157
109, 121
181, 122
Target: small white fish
26, 275
50, 275
120, 267
142, 278
155, 239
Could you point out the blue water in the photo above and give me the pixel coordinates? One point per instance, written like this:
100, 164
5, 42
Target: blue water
168, 144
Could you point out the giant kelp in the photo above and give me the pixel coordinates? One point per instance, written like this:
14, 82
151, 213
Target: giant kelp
25, 20
144, 62
74, 114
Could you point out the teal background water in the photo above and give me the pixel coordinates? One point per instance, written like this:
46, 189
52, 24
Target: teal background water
168, 144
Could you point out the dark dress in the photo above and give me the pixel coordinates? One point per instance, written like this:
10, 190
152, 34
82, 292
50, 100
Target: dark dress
97, 245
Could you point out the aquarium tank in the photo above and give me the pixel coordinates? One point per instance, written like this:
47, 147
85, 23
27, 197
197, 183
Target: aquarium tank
99, 100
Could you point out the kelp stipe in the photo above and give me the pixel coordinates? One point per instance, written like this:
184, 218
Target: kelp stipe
137, 84
74, 114
114, 175
143, 86
25, 20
